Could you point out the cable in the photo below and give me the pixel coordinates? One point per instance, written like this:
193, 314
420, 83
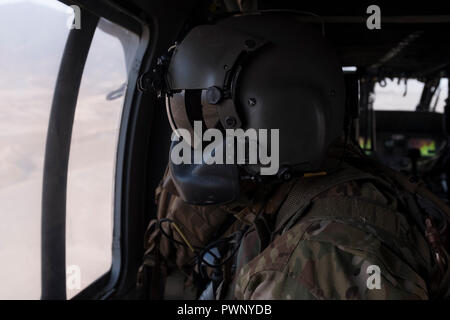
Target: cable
214, 244
200, 252
172, 223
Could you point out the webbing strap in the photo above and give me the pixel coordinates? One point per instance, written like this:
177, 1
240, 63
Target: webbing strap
306, 189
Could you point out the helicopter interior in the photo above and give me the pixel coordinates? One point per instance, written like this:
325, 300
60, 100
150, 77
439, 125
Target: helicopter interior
410, 44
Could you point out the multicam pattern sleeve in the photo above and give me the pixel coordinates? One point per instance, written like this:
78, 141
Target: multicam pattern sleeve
297, 266
326, 257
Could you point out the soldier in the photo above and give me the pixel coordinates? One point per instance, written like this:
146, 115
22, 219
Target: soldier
330, 224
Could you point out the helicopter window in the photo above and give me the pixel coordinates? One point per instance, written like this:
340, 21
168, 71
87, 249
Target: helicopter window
33, 35
90, 183
396, 94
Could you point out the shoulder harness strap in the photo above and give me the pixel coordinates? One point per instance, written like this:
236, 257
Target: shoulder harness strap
305, 189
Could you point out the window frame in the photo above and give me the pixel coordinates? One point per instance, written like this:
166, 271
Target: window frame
53, 259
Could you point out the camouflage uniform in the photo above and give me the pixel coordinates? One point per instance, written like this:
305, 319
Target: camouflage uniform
325, 231
326, 253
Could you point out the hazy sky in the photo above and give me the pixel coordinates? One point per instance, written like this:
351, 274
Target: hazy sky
53, 4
